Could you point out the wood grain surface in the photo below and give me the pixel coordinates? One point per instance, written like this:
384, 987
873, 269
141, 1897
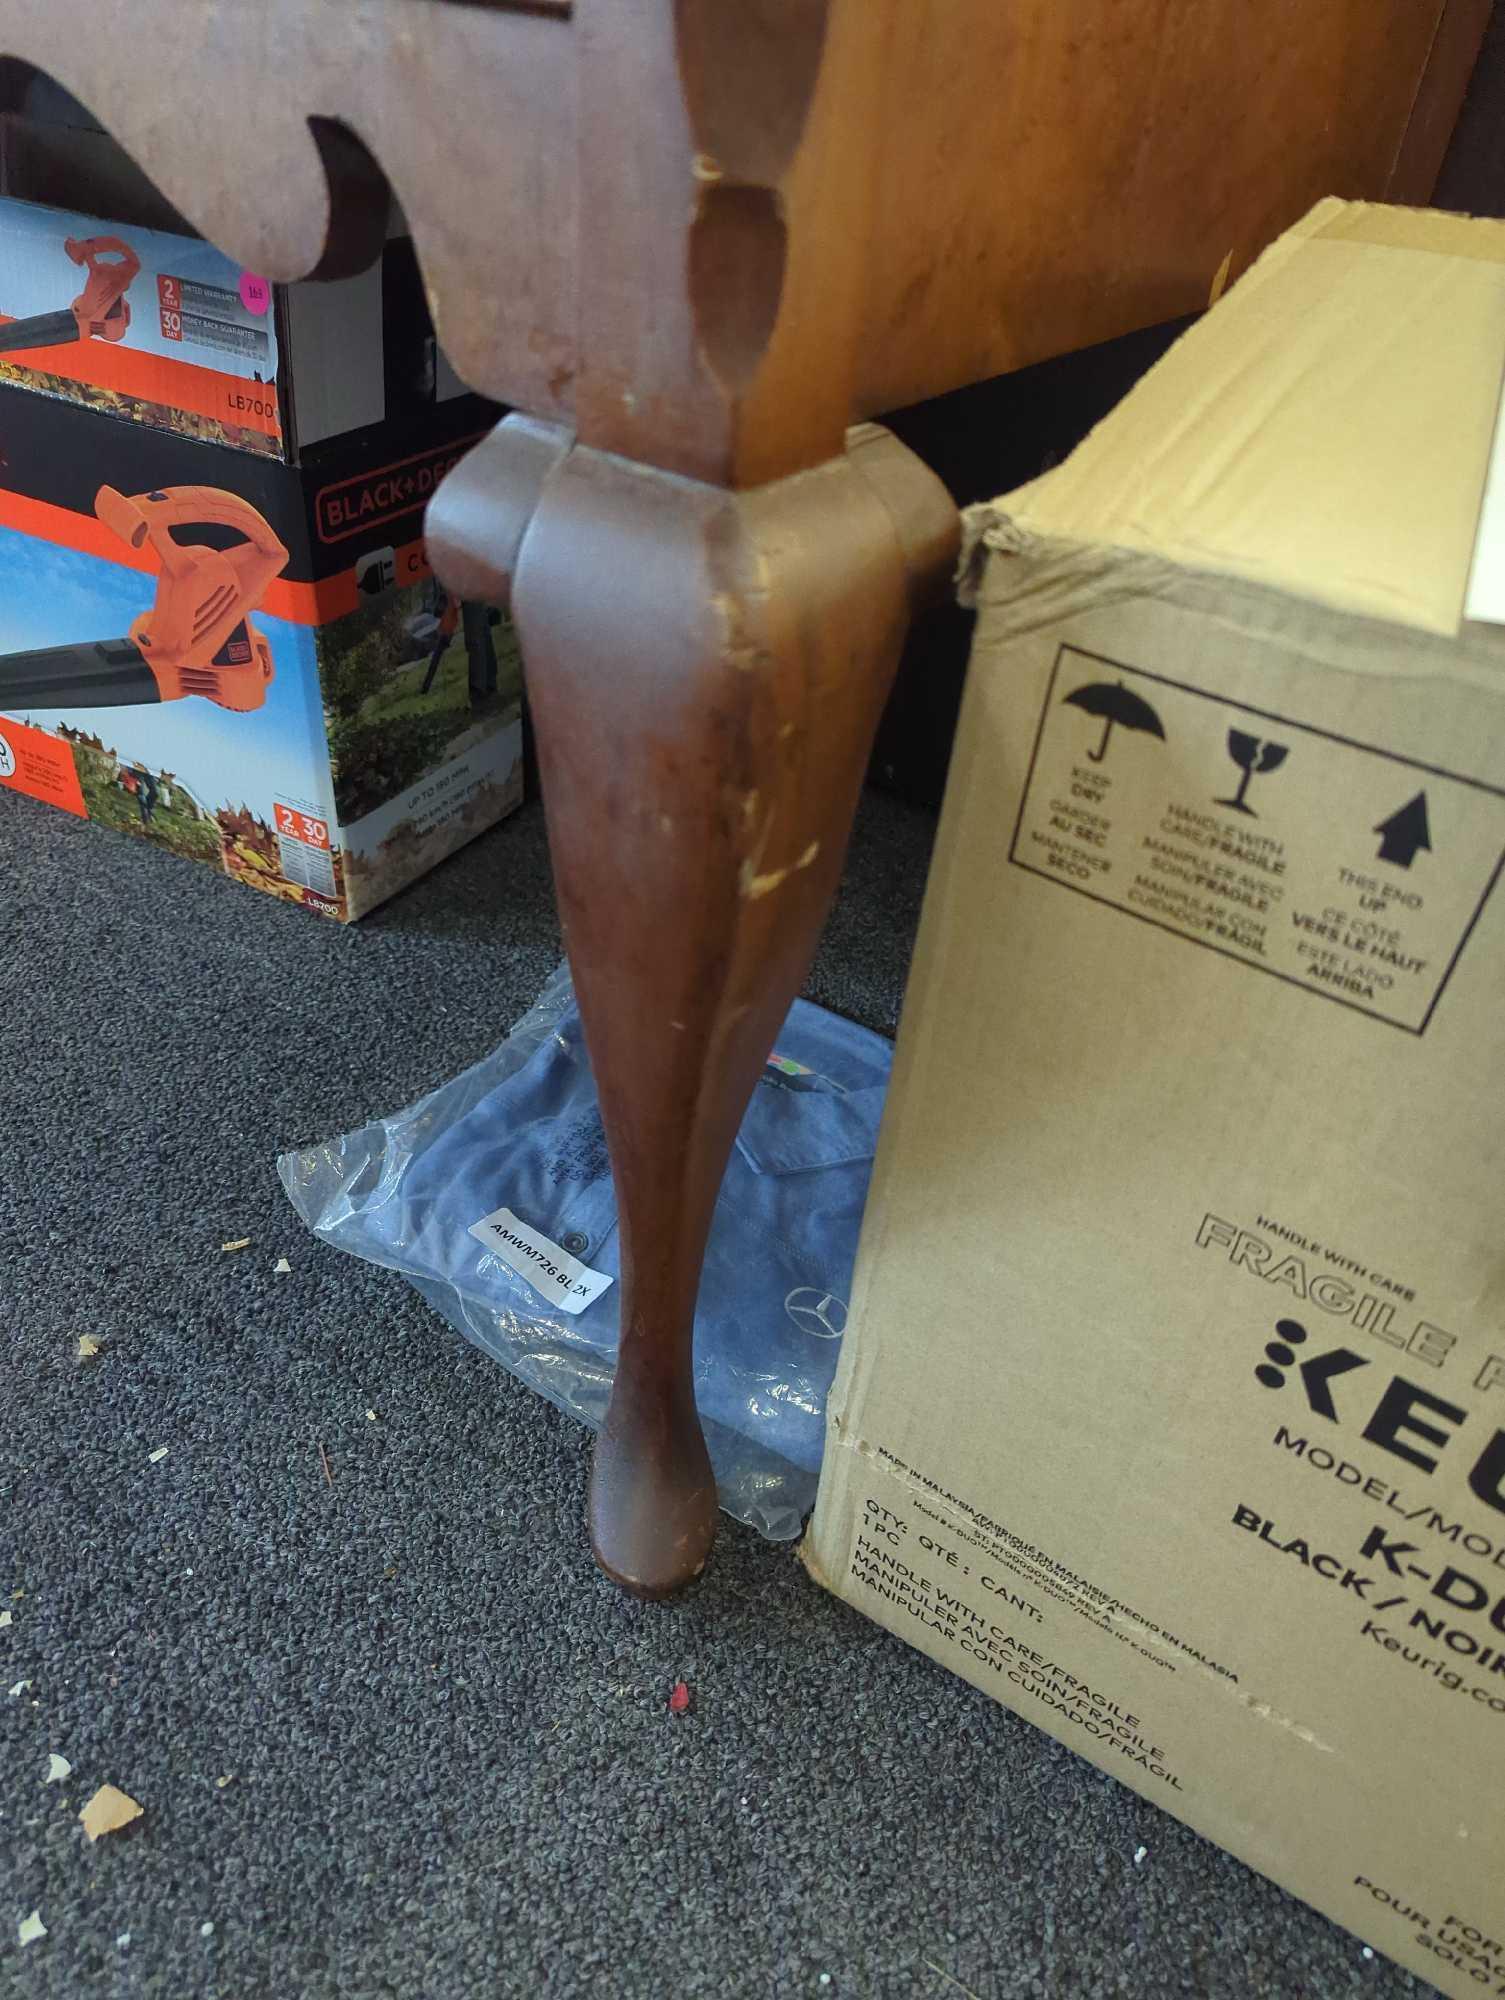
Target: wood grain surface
710, 233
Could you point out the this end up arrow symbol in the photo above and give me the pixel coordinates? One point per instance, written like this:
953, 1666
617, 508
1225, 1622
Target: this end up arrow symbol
1405, 833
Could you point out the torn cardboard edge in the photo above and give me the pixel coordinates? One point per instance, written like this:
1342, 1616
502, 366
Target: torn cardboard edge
1050, 578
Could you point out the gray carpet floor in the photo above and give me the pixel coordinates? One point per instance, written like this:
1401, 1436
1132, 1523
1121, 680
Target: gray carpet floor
452, 1771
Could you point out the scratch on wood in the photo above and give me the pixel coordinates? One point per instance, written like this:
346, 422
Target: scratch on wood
754, 885
738, 649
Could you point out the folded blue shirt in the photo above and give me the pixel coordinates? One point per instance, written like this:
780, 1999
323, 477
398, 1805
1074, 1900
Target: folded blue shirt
521, 1131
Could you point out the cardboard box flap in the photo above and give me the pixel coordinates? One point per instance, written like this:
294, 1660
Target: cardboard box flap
1325, 431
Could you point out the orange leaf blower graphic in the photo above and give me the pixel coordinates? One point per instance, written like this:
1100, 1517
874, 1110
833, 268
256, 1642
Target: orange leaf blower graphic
215, 556
100, 311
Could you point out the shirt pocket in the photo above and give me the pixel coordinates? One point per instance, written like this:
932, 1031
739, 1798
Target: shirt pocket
577, 1194
799, 1132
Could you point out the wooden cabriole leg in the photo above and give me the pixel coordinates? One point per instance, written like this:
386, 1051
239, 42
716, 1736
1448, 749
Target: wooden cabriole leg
711, 587
706, 668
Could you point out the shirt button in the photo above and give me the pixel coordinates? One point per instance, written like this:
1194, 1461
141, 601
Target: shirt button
575, 1243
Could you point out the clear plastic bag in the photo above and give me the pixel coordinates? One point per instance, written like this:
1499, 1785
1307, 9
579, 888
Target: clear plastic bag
521, 1131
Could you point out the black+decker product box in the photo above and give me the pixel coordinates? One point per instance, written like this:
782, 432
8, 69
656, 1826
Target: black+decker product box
246, 661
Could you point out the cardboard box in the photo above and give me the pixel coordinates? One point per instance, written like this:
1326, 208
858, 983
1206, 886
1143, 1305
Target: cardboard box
1172, 1405
245, 661
159, 327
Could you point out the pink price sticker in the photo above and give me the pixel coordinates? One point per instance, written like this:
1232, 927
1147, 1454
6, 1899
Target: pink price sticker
255, 293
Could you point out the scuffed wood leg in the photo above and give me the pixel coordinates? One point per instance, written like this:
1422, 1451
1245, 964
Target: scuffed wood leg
706, 669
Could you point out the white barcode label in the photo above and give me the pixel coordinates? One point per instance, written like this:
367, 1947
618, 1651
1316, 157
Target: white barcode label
552, 1272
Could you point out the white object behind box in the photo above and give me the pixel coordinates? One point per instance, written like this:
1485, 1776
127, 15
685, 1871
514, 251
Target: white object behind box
1486, 587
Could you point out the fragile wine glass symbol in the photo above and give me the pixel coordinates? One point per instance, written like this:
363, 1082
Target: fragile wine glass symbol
1251, 754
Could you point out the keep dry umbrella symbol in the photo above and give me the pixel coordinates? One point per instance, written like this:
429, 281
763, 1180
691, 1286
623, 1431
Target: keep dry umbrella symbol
1116, 705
